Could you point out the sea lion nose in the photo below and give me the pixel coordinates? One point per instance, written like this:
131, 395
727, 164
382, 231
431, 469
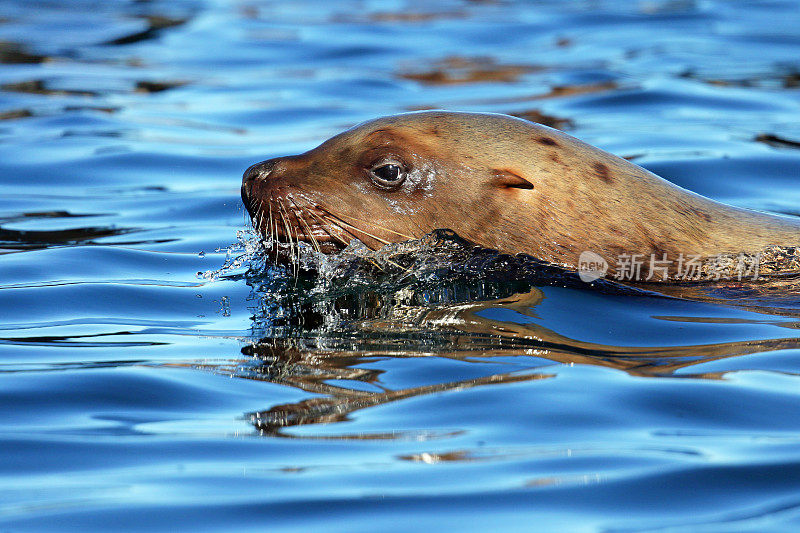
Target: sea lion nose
258, 171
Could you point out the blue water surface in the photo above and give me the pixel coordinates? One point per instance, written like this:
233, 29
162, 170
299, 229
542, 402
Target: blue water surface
136, 394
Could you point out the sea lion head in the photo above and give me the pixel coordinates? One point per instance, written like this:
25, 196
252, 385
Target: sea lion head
499, 182
394, 179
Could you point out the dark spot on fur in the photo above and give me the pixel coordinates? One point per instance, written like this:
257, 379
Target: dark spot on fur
554, 157
603, 172
547, 141
347, 154
702, 214
434, 130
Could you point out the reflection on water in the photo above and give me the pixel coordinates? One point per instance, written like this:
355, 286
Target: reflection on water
321, 344
485, 391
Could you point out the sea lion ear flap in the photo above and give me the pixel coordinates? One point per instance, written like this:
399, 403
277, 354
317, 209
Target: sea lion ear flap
508, 179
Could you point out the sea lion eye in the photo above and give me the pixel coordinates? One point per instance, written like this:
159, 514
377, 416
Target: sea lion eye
388, 173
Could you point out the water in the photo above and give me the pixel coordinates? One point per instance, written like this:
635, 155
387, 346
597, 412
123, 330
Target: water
136, 394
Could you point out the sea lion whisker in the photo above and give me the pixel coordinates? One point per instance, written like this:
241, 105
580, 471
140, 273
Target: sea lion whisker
324, 223
334, 224
258, 222
269, 223
273, 230
307, 229
380, 226
308, 232
382, 241
294, 239
296, 229
256, 206
287, 228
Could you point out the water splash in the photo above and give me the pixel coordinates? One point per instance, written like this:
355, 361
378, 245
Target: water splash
328, 297
440, 258
247, 254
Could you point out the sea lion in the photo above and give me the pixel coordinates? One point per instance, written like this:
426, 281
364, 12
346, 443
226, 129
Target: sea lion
514, 186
